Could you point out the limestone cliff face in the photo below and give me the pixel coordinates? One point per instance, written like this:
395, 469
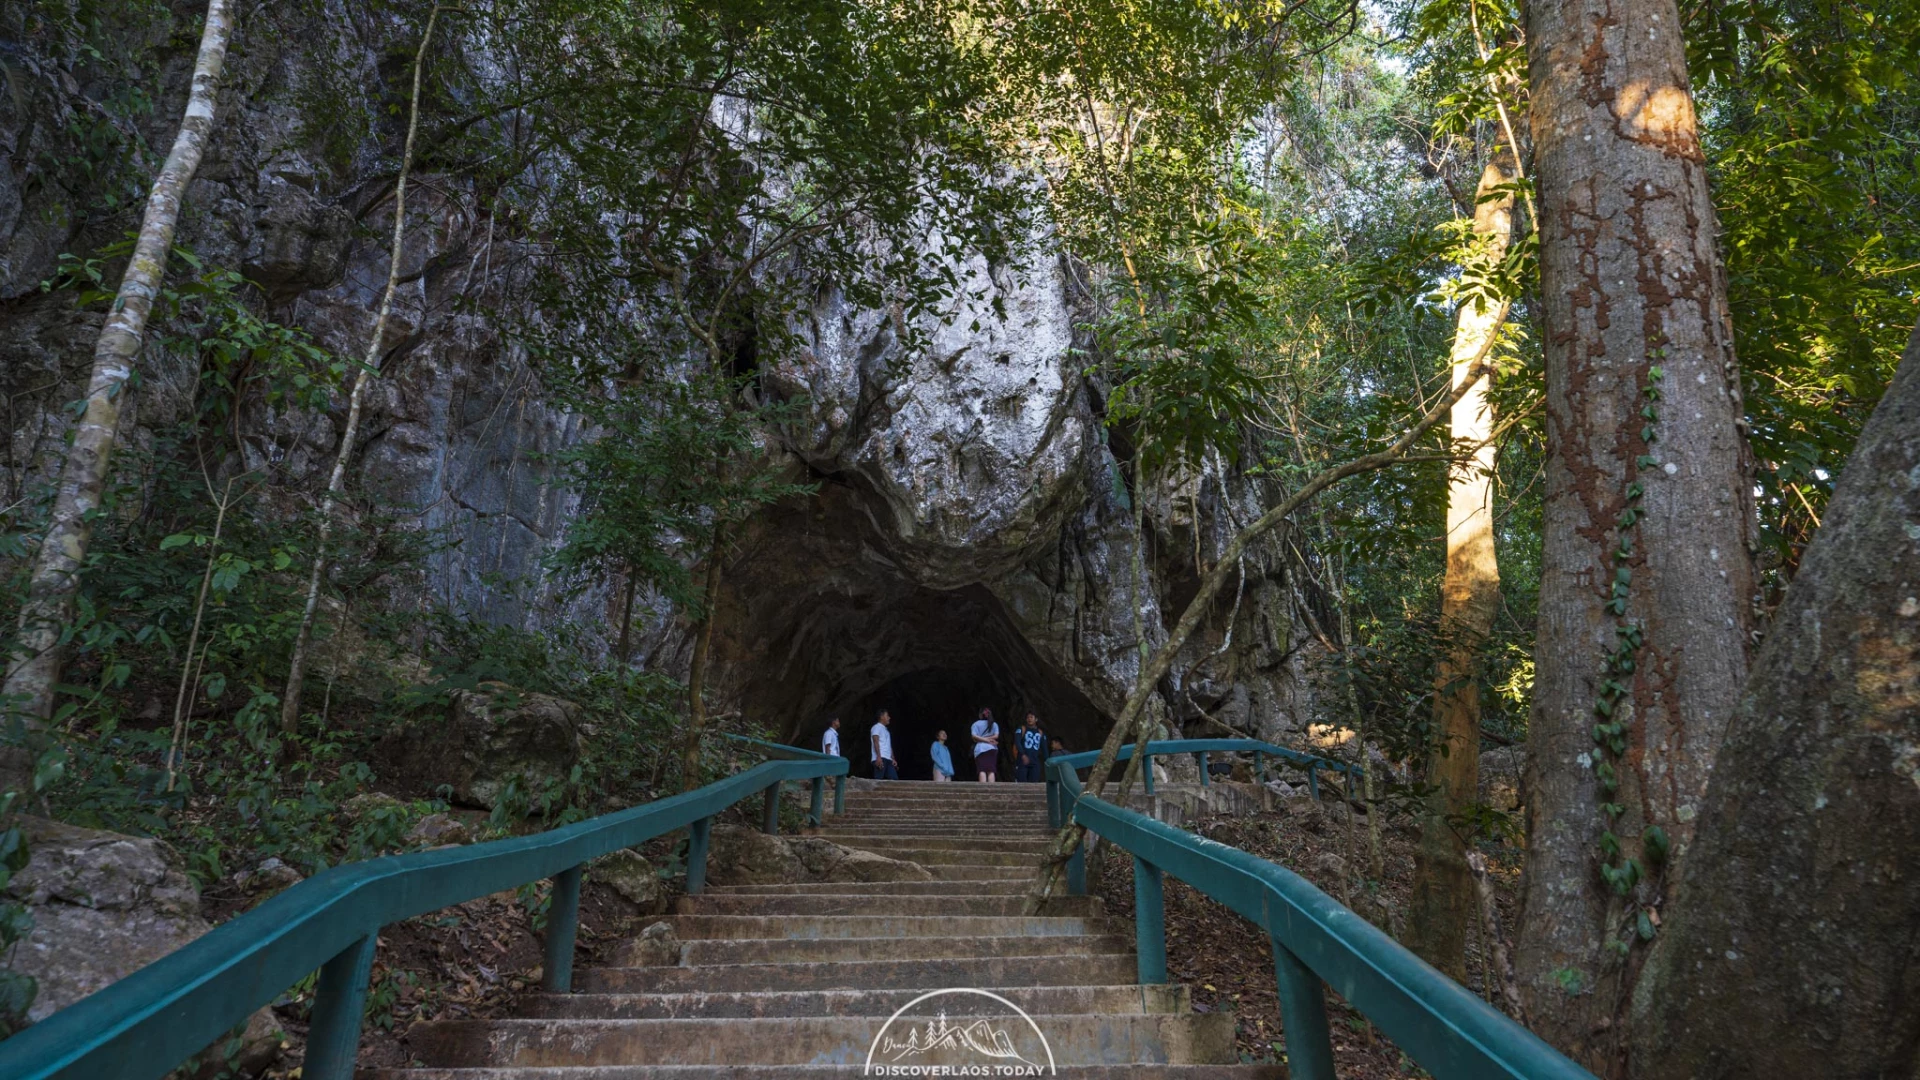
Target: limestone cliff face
971, 541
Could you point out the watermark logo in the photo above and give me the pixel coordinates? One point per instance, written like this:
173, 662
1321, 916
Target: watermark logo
986, 1035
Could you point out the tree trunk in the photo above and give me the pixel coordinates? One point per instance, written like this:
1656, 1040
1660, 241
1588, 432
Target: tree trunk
55, 577
1646, 579
1443, 903
697, 677
1793, 945
303, 640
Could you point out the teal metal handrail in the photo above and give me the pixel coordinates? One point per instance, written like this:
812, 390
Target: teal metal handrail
1438, 1023
141, 1027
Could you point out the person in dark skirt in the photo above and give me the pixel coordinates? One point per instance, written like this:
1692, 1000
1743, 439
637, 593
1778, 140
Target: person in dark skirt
986, 746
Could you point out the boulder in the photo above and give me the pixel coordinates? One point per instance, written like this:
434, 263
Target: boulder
105, 905
270, 877
489, 738
658, 946
1501, 770
633, 877
439, 830
741, 856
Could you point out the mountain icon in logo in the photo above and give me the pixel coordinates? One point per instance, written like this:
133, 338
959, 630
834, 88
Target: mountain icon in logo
981, 1037
969, 1031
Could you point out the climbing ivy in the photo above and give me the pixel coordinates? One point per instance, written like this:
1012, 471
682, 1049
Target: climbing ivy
1618, 868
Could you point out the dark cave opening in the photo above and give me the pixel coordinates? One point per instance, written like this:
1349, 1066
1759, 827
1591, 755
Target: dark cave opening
925, 702
817, 620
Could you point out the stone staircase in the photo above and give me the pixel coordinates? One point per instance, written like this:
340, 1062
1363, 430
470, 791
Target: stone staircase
801, 980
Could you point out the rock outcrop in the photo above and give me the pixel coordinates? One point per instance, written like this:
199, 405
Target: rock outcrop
105, 905
487, 740
971, 541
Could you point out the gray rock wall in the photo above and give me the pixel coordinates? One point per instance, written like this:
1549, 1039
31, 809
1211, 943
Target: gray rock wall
971, 518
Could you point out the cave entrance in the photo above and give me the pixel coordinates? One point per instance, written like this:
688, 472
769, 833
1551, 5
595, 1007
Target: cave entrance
930, 700
816, 620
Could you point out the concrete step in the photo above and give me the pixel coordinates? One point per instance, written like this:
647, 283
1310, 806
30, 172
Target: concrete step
846, 1041
792, 950
956, 903
1010, 886
1026, 861
883, 1003
808, 927
873, 841
803, 1072
972, 871
1113, 966
982, 829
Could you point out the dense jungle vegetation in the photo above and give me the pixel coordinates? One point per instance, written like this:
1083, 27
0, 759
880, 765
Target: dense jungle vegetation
1550, 368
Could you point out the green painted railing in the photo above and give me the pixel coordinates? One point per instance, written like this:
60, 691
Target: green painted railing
141, 1027
1316, 941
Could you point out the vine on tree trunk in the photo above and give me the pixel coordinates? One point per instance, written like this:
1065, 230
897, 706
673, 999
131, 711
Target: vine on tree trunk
1612, 708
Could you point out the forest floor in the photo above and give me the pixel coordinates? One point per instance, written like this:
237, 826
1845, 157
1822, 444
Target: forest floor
1226, 960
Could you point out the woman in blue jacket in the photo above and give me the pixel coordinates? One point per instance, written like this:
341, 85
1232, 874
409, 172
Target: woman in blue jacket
942, 760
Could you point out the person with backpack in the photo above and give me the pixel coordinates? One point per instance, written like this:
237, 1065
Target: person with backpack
1030, 746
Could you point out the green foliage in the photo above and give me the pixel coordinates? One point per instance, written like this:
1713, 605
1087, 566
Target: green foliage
1807, 112
675, 463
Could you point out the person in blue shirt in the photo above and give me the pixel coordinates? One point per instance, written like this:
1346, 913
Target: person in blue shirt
1030, 746
942, 760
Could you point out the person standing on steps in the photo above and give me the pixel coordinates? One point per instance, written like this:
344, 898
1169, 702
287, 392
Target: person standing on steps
1031, 747
986, 746
884, 767
830, 742
942, 760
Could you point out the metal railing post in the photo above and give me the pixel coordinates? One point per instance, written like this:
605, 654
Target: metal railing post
1146, 772
1206, 780
840, 794
1053, 802
699, 834
770, 824
1077, 869
333, 1040
1149, 922
1313, 781
814, 811
1260, 768
1303, 1017
563, 923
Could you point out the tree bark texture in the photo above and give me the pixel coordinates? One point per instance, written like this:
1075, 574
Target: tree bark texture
337, 479
1647, 504
1444, 898
1793, 947
55, 576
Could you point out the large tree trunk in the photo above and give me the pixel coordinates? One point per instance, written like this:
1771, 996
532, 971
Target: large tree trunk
337, 479
1793, 947
1646, 580
1445, 897
54, 579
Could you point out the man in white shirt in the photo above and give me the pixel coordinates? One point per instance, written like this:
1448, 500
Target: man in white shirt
830, 742
884, 767
986, 746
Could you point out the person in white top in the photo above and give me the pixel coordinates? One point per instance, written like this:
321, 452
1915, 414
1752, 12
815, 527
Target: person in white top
986, 746
884, 767
830, 742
